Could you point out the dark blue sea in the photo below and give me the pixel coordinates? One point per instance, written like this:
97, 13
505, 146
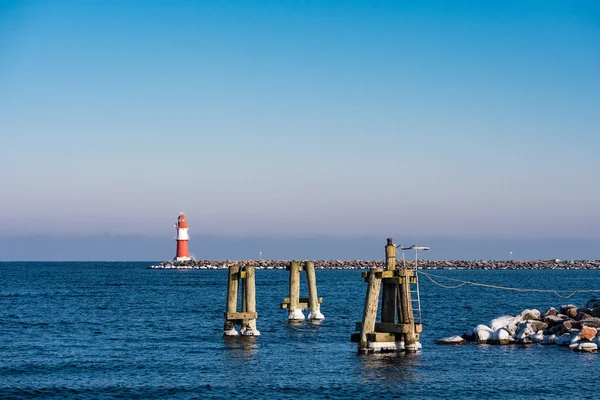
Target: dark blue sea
120, 330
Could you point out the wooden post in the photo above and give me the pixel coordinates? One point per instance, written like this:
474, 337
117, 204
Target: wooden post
232, 293
313, 299
390, 292
249, 325
371, 304
295, 313
405, 311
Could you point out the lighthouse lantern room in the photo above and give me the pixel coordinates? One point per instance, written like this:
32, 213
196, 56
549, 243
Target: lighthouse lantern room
182, 237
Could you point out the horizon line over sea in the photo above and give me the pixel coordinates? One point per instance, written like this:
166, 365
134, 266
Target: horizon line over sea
209, 247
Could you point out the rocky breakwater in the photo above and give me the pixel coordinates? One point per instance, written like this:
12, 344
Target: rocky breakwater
265, 264
366, 264
572, 326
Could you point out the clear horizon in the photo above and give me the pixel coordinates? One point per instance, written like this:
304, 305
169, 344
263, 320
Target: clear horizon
162, 248
273, 120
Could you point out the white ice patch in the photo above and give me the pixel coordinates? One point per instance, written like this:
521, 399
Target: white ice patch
230, 332
250, 332
500, 322
316, 314
585, 347
537, 337
483, 333
502, 336
386, 346
416, 346
296, 315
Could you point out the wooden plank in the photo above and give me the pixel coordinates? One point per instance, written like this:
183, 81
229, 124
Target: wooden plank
242, 274
240, 315
419, 328
299, 305
391, 328
381, 337
393, 281
388, 274
286, 300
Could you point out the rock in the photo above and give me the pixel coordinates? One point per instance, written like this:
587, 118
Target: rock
582, 315
575, 336
572, 346
563, 340
538, 325
553, 320
594, 302
469, 337
500, 322
595, 312
572, 312
588, 333
564, 308
549, 339
536, 337
524, 329
512, 328
594, 322
584, 347
483, 334
571, 324
530, 314
502, 336
586, 310
451, 340
551, 311
557, 330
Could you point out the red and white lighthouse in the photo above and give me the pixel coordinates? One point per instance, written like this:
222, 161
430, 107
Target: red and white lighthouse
182, 237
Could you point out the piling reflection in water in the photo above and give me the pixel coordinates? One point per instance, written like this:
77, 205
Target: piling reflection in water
393, 367
240, 349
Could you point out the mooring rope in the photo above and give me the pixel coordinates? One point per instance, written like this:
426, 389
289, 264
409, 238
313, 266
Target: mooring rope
463, 283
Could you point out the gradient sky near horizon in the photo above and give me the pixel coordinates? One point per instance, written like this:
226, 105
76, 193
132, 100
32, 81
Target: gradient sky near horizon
445, 118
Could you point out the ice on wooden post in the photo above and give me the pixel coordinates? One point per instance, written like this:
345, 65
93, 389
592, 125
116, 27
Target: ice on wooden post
295, 311
313, 299
247, 317
398, 330
232, 293
371, 305
249, 293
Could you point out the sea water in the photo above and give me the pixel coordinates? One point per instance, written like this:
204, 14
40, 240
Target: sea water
120, 330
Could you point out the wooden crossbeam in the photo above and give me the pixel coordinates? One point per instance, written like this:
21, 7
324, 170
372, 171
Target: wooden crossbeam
383, 327
286, 300
300, 305
235, 316
392, 276
382, 337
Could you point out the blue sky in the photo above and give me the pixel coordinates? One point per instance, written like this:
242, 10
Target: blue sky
301, 118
